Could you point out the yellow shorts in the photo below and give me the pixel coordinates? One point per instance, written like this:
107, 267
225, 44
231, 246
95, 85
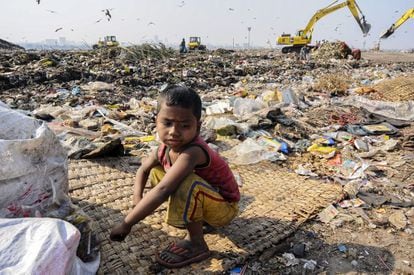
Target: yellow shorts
195, 200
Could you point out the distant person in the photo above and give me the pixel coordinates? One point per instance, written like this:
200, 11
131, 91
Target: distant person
307, 53
356, 54
196, 181
183, 48
304, 53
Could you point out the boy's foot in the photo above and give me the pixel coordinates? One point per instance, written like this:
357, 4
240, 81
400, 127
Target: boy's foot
181, 254
207, 229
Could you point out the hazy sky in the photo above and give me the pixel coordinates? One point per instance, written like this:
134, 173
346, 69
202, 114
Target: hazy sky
218, 22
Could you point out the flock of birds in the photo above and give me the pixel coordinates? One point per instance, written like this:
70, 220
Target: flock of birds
107, 14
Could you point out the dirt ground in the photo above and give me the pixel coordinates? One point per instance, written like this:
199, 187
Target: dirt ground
368, 251
352, 248
388, 57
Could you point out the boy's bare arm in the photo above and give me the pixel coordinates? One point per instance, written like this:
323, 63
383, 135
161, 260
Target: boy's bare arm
142, 174
182, 167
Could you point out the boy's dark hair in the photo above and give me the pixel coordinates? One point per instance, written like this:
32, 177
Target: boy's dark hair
180, 96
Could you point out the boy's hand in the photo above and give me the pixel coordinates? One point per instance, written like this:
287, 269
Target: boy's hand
119, 232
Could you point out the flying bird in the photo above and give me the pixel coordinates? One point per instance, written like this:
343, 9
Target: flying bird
151, 23
58, 29
181, 4
107, 13
51, 11
231, 9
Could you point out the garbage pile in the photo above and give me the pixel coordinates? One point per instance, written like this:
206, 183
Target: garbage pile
5, 45
322, 119
328, 50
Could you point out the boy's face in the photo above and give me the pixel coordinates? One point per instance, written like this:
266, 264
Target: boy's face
176, 126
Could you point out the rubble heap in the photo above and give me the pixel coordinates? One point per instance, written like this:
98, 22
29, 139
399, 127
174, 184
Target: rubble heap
5, 45
328, 50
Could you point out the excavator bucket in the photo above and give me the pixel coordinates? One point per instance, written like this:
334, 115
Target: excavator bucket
365, 27
388, 33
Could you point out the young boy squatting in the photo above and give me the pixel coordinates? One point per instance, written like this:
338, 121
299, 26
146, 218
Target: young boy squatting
197, 182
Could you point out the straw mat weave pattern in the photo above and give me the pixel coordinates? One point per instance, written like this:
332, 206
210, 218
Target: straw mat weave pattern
274, 203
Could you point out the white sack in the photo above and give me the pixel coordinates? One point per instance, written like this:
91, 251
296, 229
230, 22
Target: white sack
33, 166
37, 246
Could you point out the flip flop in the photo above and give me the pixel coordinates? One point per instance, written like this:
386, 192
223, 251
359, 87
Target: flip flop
184, 258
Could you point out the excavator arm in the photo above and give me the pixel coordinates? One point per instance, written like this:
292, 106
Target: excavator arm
407, 15
304, 37
307, 31
353, 7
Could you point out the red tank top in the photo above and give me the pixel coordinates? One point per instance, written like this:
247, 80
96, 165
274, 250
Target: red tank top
216, 171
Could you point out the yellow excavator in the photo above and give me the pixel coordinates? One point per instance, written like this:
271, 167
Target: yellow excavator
408, 14
304, 37
108, 42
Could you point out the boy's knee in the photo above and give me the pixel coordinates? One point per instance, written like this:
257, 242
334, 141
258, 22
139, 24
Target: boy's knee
190, 183
156, 174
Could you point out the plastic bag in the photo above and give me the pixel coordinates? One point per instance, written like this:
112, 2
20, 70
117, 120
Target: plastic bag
243, 106
395, 110
33, 166
288, 96
34, 180
250, 152
41, 246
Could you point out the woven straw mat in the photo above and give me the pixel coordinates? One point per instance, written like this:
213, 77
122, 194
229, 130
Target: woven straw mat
397, 89
273, 205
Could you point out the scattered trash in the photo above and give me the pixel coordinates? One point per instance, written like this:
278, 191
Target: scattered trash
342, 248
398, 219
290, 259
310, 265
346, 122
328, 214
299, 250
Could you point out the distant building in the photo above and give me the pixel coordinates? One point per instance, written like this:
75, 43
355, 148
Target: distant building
62, 40
50, 42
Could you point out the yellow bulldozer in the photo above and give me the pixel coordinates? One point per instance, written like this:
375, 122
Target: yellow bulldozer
108, 42
304, 37
195, 44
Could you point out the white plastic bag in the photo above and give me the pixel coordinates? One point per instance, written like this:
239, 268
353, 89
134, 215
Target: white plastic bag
33, 166
243, 106
41, 246
250, 152
37, 246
